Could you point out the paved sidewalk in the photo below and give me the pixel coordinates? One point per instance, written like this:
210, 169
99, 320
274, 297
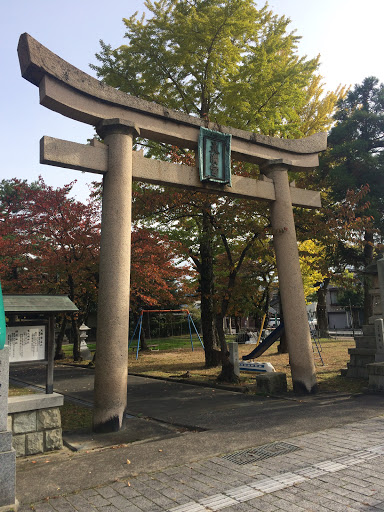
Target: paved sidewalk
336, 469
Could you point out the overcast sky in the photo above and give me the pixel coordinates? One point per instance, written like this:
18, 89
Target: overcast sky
348, 35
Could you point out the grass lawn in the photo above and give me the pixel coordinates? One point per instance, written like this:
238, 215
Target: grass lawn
175, 363
174, 358
19, 391
76, 417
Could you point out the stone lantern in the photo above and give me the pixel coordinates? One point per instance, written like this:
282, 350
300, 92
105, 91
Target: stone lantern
84, 350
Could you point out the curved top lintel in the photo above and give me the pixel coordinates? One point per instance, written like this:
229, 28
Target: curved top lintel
37, 62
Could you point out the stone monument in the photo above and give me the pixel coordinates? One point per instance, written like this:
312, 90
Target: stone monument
367, 358
376, 369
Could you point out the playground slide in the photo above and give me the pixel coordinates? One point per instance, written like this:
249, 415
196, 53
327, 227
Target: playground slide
265, 344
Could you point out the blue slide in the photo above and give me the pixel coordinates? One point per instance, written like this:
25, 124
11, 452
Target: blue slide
265, 344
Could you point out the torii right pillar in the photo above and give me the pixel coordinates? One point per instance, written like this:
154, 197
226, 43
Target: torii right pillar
290, 281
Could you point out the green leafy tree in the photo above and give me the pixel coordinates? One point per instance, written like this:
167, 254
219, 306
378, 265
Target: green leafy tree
227, 62
50, 245
351, 294
355, 163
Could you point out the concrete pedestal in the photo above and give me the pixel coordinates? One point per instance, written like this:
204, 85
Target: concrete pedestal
85, 353
7, 453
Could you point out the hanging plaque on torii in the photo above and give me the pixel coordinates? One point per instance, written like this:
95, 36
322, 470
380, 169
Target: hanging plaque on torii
214, 156
118, 118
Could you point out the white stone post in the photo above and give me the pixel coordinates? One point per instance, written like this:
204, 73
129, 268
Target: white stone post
111, 369
291, 282
233, 349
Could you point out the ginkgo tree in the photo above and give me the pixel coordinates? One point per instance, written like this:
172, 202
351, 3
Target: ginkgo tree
311, 256
231, 63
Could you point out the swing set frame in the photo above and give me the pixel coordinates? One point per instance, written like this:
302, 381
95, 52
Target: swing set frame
140, 325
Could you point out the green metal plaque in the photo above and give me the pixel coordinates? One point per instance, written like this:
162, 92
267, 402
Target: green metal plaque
2, 321
215, 156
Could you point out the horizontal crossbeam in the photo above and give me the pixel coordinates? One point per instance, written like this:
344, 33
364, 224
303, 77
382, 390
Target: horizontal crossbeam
94, 159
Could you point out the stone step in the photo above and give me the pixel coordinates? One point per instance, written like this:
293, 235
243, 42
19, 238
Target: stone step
365, 342
376, 369
360, 357
356, 372
359, 360
362, 351
369, 330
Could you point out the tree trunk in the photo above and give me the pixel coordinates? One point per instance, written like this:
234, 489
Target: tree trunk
208, 321
282, 347
237, 324
321, 309
368, 258
355, 318
76, 341
143, 343
75, 328
143, 333
59, 354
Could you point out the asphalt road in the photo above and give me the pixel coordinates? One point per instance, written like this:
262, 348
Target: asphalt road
204, 408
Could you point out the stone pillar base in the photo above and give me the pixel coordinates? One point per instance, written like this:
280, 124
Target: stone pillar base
376, 377
10, 508
274, 382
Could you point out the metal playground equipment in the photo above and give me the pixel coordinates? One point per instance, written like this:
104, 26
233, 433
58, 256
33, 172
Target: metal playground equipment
140, 325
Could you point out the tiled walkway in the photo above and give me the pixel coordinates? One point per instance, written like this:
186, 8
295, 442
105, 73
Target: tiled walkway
340, 469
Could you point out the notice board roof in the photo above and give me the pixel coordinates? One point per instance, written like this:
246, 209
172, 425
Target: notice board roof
38, 304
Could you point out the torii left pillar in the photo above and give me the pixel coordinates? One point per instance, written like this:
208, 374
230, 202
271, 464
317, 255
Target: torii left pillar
111, 370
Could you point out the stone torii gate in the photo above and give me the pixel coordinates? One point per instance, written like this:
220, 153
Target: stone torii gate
118, 119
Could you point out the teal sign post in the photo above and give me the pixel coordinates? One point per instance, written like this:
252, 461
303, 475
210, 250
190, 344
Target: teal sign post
215, 156
2, 321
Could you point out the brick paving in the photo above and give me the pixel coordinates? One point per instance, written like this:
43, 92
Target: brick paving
339, 469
